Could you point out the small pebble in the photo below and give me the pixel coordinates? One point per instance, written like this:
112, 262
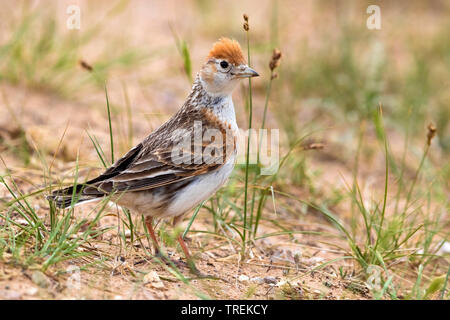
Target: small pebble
22, 221
32, 291
40, 279
270, 280
10, 295
153, 279
445, 248
257, 280
243, 278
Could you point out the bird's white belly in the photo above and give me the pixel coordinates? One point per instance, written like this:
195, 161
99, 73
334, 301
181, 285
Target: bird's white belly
203, 188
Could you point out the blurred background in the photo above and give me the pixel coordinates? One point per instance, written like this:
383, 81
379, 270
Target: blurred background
335, 71
334, 75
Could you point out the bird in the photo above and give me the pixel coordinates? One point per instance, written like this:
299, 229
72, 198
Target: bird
184, 161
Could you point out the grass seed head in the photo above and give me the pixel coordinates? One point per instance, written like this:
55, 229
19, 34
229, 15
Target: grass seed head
431, 133
85, 65
246, 27
275, 61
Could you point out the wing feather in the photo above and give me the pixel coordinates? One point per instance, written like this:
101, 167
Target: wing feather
151, 164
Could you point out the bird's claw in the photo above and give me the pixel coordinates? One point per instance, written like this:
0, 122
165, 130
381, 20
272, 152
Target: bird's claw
181, 264
198, 273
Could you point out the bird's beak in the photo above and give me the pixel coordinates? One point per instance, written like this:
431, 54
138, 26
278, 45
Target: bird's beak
245, 71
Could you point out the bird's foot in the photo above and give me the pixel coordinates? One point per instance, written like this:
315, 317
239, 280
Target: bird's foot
181, 265
168, 261
198, 274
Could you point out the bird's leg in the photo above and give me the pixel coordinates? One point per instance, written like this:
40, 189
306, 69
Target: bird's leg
158, 252
187, 254
149, 224
191, 262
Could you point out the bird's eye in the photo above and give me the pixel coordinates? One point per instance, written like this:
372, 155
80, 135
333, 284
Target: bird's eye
224, 64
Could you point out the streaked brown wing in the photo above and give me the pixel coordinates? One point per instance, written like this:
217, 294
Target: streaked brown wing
153, 165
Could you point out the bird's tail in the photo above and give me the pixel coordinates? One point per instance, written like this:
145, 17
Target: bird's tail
69, 196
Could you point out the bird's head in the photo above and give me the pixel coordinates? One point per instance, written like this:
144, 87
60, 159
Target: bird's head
224, 67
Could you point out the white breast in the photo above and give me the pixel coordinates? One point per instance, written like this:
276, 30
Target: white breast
206, 185
225, 112
199, 190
